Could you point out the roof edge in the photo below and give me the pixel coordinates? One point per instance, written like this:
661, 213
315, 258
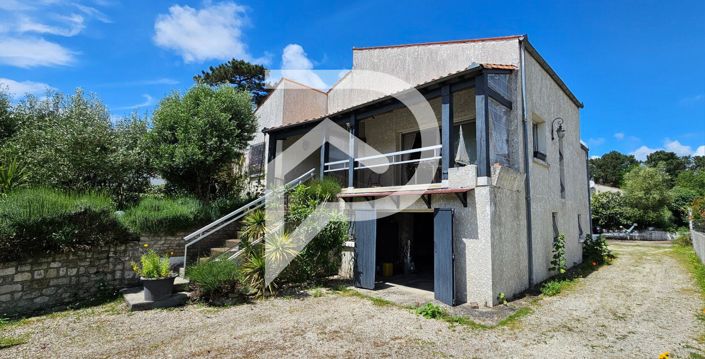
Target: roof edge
542, 62
498, 38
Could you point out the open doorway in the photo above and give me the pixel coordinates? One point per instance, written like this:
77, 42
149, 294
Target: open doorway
405, 250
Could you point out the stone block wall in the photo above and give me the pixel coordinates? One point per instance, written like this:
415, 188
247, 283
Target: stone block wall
54, 281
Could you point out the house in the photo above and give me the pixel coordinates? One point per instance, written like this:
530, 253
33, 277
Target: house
470, 213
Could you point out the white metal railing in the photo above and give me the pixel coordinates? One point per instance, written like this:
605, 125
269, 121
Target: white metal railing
393, 158
235, 215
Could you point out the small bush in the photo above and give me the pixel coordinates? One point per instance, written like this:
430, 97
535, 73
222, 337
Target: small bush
215, 279
152, 266
596, 250
39, 220
558, 262
553, 287
683, 239
163, 215
430, 311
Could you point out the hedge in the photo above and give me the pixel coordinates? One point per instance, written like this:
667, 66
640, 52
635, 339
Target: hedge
36, 221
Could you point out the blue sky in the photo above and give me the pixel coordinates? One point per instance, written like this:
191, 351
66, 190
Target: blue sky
639, 66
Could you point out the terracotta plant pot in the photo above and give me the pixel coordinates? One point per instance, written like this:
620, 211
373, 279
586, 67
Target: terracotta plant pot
157, 289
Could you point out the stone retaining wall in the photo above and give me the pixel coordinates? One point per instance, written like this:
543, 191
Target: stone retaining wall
699, 244
56, 281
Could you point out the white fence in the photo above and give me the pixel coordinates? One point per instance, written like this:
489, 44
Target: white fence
699, 244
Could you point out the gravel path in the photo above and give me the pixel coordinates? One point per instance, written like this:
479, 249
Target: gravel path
642, 305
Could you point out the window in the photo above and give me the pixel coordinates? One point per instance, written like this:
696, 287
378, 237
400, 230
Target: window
467, 154
538, 133
256, 159
499, 133
500, 83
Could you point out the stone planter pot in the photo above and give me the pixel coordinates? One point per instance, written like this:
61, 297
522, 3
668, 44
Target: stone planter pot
157, 289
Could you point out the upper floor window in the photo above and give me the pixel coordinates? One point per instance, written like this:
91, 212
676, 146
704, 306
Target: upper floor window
500, 83
256, 159
499, 132
538, 132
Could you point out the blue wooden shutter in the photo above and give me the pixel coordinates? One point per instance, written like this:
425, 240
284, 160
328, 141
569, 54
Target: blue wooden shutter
443, 278
365, 248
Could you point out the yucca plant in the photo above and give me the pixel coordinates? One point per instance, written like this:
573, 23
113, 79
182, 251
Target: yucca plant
279, 248
12, 175
254, 226
253, 273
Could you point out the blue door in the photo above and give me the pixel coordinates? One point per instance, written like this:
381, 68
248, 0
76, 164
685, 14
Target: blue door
443, 278
365, 248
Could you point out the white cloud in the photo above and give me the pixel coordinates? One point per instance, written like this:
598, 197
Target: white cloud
17, 89
596, 141
73, 26
25, 27
212, 32
691, 100
297, 66
678, 148
619, 135
642, 152
148, 101
31, 52
700, 151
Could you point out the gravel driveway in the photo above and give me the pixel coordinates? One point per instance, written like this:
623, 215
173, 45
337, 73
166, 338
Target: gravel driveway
642, 305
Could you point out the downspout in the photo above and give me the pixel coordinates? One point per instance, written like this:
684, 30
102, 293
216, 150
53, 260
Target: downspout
527, 178
587, 172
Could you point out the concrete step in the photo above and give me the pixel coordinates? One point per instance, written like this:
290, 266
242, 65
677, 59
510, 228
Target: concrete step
232, 243
134, 297
181, 284
218, 251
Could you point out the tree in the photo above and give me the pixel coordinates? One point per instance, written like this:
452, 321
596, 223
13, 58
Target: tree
239, 73
609, 210
70, 143
8, 123
673, 164
611, 167
646, 191
692, 179
698, 163
197, 135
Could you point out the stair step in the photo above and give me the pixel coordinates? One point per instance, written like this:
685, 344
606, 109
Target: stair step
181, 284
218, 251
232, 243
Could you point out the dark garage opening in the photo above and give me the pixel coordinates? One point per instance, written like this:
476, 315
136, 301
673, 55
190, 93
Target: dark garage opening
405, 250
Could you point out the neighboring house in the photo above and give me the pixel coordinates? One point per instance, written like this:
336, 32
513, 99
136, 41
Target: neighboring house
510, 177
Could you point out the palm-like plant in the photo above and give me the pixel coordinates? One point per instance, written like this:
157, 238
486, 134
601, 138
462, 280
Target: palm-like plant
12, 175
254, 225
253, 272
279, 248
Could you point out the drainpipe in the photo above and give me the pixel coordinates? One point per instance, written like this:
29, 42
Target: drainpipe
587, 172
527, 178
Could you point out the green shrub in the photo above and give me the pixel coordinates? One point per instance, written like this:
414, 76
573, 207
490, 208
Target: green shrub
12, 175
152, 266
553, 287
163, 215
430, 311
39, 220
254, 225
683, 239
558, 262
596, 250
215, 279
321, 256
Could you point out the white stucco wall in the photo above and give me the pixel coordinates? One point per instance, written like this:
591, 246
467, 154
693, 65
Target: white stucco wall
546, 100
414, 65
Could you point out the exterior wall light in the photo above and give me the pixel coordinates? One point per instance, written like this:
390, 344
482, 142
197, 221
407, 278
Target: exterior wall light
560, 131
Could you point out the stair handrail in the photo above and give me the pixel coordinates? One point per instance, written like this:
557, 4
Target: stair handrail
257, 203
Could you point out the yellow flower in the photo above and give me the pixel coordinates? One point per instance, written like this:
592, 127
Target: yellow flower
664, 355
146, 245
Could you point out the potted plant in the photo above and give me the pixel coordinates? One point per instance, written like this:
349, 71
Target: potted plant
157, 278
